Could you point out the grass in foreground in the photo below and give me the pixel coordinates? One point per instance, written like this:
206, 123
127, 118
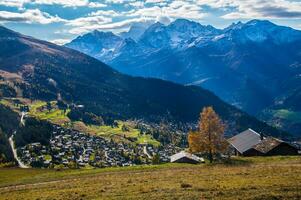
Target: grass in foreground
245, 178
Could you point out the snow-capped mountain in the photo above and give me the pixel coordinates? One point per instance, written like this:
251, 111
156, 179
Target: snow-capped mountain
260, 31
252, 65
100, 45
176, 34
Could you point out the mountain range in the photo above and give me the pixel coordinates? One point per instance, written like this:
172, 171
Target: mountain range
37, 69
255, 66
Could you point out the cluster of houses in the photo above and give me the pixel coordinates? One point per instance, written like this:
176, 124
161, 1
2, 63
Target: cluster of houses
247, 143
251, 143
73, 149
70, 148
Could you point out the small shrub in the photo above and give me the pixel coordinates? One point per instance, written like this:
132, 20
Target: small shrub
185, 185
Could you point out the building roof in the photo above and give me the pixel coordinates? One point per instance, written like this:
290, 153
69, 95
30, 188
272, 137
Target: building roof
183, 154
267, 144
245, 140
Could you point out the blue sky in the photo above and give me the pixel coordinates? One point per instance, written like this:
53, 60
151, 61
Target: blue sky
60, 21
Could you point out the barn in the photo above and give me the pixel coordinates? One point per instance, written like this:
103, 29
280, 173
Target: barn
185, 157
251, 143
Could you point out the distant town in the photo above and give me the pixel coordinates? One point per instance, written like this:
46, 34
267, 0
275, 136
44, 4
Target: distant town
73, 149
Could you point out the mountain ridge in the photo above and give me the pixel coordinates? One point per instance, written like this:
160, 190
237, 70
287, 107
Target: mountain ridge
49, 71
234, 63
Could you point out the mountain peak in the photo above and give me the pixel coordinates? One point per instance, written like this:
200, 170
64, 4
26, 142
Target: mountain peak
183, 24
234, 25
251, 23
156, 25
98, 33
255, 22
183, 21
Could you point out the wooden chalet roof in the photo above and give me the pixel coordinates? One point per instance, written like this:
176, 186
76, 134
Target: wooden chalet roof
267, 144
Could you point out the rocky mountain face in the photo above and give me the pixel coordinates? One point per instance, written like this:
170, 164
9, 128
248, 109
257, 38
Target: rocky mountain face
135, 31
255, 66
101, 45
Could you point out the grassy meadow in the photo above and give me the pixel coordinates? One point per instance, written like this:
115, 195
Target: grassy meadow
242, 178
37, 109
288, 115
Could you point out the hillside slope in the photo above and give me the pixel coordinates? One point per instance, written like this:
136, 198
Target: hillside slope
52, 72
245, 178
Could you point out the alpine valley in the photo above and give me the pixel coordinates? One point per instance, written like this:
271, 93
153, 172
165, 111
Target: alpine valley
255, 66
52, 84
39, 70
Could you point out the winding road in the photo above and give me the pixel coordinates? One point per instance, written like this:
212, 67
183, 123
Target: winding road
23, 114
12, 144
146, 153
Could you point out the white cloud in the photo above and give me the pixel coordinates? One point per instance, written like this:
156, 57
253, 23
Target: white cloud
29, 16
60, 41
110, 13
111, 20
132, 11
13, 3
248, 9
64, 3
115, 26
163, 19
176, 9
269, 9
137, 4
89, 21
154, 1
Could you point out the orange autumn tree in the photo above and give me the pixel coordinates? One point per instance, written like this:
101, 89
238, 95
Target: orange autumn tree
209, 138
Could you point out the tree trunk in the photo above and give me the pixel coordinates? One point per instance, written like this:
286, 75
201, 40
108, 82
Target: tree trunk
210, 156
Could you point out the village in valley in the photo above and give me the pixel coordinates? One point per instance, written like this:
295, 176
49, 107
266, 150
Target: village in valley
73, 149
70, 148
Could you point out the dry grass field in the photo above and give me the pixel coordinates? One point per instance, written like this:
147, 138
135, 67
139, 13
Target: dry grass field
244, 178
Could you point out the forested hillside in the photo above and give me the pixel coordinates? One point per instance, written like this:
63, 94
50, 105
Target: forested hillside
51, 72
9, 122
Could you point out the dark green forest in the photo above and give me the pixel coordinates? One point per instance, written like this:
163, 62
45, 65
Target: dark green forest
9, 121
33, 131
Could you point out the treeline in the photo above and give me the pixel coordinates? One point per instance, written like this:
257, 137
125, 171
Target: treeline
77, 114
7, 91
6, 154
34, 131
9, 121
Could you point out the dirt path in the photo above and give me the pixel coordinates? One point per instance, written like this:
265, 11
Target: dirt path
22, 118
146, 153
12, 145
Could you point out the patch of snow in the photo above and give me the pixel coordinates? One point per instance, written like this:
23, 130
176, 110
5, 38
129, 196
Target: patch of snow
199, 82
216, 38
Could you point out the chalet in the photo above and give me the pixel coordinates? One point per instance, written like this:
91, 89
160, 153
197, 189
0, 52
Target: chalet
251, 143
185, 157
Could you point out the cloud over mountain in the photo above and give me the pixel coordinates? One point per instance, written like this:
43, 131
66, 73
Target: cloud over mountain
75, 17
